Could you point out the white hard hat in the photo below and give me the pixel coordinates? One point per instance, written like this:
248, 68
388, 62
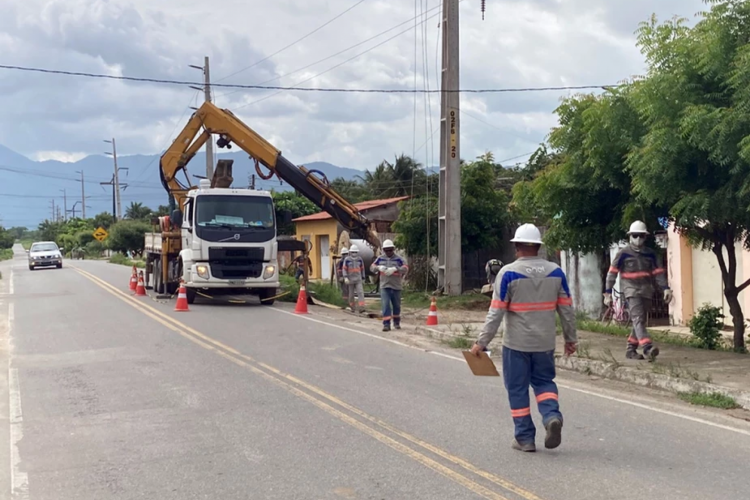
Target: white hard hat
527, 233
344, 251
638, 227
387, 244
353, 248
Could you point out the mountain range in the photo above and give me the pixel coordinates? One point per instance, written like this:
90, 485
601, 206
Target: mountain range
28, 187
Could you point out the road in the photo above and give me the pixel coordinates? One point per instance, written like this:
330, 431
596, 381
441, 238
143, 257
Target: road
114, 396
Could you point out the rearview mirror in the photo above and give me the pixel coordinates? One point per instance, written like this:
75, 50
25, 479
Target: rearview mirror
286, 217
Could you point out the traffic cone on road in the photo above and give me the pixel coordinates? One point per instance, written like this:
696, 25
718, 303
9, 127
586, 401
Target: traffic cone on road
140, 289
182, 303
432, 319
301, 301
134, 279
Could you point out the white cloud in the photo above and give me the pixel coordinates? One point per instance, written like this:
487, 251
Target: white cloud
525, 43
63, 156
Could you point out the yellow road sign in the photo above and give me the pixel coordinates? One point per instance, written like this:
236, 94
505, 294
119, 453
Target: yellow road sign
101, 234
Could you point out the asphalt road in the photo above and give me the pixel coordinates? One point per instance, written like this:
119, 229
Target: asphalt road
113, 396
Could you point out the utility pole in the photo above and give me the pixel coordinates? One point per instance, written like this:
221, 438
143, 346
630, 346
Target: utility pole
53, 211
65, 205
449, 208
116, 186
207, 95
83, 197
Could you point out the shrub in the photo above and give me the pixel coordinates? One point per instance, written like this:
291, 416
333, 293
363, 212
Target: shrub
706, 326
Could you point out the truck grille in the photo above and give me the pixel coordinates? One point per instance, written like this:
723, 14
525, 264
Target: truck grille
236, 263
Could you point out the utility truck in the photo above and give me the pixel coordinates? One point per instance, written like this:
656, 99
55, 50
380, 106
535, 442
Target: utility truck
222, 240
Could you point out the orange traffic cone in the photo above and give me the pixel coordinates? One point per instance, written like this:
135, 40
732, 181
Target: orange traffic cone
140, 289
134, 279
301, 301
182, 303
432, 315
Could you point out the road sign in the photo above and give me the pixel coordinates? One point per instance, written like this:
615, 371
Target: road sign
101, 234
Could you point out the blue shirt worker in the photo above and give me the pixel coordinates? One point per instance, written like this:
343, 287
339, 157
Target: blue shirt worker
353, 271
637, 267
391, 268
527, 293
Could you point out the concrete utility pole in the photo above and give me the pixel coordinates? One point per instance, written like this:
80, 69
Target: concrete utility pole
449, 208
83, 196
65, 205
118, 214
53, 210
207, 95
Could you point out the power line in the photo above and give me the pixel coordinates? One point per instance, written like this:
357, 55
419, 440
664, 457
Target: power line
309, 89
293, 43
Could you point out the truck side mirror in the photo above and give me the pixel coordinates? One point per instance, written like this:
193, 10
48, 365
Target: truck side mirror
286, 217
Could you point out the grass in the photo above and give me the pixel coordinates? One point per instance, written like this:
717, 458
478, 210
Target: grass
325, 292
460, 342
421, 300
712, 399
6, 254
122, 260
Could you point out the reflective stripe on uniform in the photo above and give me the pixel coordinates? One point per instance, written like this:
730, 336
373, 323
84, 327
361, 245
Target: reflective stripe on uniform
636, 275
564, 301
545, 396
498, 304
658, 271
532, 306
613, 269
523, 412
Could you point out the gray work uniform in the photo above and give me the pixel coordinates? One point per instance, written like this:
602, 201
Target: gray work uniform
354, 270
637, 269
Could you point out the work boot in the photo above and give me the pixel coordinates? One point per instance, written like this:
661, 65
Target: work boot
529, 447
387, 328
650, 352
554, 433
397, 326
632, 354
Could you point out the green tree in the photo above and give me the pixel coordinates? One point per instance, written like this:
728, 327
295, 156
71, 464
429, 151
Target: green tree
295, 204
484, 208
412, 226
162, 211
49, 230
103, 219
695, 155
136, 211
7, 238
128, 236
351, 190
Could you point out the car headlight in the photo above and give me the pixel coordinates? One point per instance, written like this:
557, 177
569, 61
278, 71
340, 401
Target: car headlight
202, 271
269, 272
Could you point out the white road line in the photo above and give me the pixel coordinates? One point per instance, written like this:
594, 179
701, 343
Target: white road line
10, 283
19, 480
564, 386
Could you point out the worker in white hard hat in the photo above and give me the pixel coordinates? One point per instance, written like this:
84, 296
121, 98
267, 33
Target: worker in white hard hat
391, 268
638, 268
527, 293
340, 273
353, 271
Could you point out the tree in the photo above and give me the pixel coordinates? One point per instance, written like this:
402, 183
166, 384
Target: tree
104, 220
351, 190
414, 235
484, 208
695, 155
296, 205
7, 238
136, 211
162, 211
49, 230
128, 236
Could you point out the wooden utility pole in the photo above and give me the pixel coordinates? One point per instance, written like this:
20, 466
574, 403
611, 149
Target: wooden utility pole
449, 208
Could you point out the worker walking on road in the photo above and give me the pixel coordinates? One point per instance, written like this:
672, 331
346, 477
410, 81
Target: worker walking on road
340, 273
527, 293
391, 269
353, 271
637, 267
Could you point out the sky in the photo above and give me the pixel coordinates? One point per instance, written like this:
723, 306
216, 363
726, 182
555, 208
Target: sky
520, 44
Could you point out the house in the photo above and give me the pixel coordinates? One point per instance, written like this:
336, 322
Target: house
323, 231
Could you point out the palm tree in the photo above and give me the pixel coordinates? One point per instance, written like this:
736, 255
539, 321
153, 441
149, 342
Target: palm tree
136, 211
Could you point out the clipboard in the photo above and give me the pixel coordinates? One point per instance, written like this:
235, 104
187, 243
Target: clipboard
481, 366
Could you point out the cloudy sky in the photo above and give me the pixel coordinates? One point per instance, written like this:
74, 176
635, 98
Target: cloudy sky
524, 43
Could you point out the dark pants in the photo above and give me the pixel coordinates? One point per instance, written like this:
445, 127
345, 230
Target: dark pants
390, 301
521, 369
638, 307
299, 272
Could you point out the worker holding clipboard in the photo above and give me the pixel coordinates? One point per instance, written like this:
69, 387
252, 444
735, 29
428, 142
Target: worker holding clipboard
528, 293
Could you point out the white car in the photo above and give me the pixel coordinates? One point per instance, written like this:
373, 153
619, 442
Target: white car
43, 254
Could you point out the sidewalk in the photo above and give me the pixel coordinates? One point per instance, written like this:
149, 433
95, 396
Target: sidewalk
677, 369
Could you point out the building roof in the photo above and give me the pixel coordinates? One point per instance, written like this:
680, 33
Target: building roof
363, 206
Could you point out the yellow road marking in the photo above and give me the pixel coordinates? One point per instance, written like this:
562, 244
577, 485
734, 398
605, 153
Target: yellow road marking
207, 342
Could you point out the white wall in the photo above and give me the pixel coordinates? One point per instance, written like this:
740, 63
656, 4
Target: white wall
585, 281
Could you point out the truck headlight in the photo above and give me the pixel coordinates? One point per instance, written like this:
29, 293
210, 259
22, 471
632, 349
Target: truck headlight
270, 270
202, 271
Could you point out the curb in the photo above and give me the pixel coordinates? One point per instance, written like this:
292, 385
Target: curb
647, 379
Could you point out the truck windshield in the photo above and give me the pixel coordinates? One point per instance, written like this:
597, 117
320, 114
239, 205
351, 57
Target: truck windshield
233, 212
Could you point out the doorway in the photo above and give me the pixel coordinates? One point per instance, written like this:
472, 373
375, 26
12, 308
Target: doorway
325, 257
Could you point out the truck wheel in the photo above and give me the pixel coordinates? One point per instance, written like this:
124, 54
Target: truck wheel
191, 294
265, 295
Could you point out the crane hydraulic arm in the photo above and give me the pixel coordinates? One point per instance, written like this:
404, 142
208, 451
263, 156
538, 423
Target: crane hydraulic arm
209, 120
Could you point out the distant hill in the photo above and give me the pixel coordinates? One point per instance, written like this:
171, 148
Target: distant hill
27, 187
